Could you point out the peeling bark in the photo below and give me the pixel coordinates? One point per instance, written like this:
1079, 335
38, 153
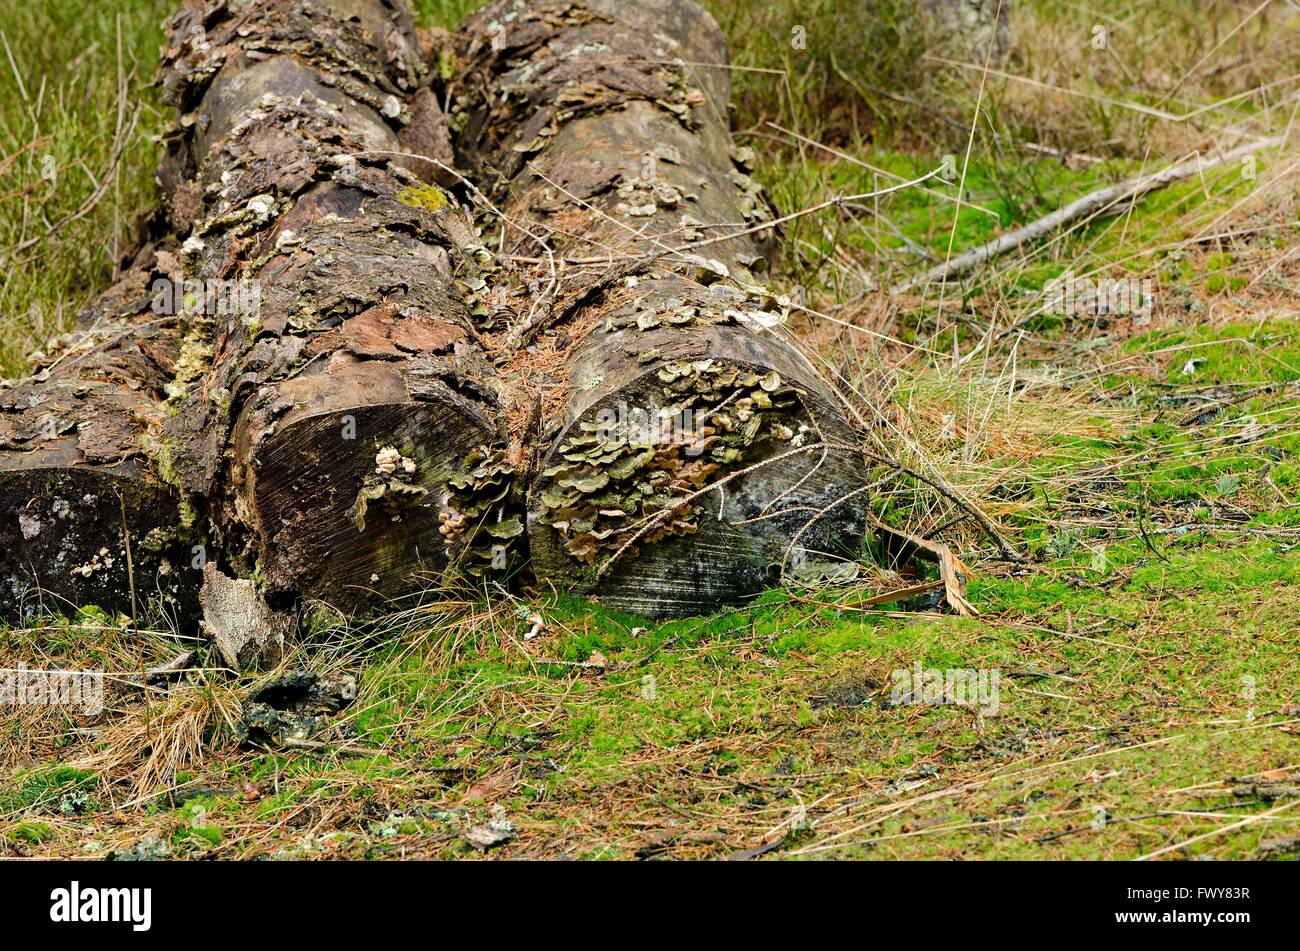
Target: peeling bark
245, 630
323, 432
587, 129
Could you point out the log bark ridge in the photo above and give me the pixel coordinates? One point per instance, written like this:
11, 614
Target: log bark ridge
329, 375
84, 519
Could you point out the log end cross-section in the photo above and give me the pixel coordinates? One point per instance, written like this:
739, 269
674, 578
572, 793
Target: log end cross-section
691, 452
333, 433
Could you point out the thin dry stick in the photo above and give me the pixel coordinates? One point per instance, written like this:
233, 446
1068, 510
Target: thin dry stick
94, 198
940, 485
879, 171
1249, 820
1092, 203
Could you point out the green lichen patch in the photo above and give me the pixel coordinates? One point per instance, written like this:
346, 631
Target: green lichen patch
429, 197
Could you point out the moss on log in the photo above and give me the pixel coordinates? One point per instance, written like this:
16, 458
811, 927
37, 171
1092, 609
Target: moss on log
346, 390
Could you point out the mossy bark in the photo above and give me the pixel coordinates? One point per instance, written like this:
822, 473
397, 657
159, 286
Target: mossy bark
593, 135
355, 425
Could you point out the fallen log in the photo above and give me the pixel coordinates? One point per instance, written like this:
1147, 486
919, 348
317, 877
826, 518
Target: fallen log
337, 380
342, 434
84, 520
681, 460
304, 432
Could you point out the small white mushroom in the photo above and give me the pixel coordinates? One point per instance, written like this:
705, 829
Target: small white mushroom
386, 460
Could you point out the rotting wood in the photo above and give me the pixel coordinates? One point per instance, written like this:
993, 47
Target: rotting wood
342, 439
84, 520
353, 426
586, 127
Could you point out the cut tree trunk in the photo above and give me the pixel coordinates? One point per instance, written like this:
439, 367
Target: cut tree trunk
343, 433
83, 518
335, 380
682, 460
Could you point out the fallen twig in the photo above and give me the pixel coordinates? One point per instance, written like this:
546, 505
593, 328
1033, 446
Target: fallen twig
1095, 202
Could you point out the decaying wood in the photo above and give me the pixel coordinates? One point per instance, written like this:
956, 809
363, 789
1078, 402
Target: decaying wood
595, 140
328, 433
83, 518
353, 402
246, 631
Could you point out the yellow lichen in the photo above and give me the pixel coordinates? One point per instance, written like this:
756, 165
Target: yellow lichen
428, 197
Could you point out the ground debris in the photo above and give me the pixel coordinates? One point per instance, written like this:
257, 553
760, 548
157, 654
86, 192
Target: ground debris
498, 831
1282, 845
294, 708
1268, 790
245, 630
855, 694
151, 848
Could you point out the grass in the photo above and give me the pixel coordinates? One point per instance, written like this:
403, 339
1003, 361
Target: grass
60, 130
1145, 652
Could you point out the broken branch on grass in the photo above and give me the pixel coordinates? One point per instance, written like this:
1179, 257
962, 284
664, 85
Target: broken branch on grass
940, 485
1101, 201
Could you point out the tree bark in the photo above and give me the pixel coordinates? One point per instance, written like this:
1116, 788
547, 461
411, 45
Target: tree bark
344, 439
681, 459
83, 518
333, 378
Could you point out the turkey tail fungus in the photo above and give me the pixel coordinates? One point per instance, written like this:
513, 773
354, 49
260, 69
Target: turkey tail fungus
689, 451
343, 435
